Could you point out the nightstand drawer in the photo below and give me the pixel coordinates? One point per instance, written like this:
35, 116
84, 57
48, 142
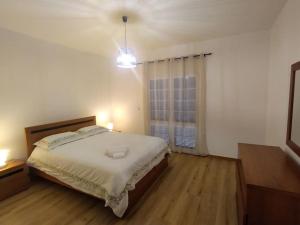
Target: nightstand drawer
13, 182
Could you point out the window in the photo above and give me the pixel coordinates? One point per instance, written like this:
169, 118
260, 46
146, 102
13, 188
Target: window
159, 100
159, 105
184, 110
185, 136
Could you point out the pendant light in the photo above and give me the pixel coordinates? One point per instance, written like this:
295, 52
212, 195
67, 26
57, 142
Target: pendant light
126, 59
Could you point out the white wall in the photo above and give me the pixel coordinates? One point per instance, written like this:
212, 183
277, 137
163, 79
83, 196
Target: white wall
236, 86
284, 51
127, 99
42, 82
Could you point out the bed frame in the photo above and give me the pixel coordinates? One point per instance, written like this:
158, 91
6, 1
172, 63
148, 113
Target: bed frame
36, 133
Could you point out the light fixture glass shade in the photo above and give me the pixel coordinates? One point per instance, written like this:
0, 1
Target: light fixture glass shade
126, 59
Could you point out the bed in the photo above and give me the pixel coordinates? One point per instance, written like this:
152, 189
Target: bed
83, 166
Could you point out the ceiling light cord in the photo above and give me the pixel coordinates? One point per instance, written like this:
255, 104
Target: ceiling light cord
125, 39
126, 59
125, 18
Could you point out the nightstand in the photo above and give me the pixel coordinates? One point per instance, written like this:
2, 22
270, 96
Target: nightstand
13, 178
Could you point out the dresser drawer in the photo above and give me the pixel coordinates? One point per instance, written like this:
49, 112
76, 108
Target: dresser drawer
269, 186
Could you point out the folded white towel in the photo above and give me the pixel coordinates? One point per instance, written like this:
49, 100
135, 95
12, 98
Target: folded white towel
117, 152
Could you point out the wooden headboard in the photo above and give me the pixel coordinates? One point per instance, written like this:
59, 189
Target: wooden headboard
36, 133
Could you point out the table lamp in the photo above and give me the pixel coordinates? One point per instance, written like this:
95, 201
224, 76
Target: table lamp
110, 126
3, 157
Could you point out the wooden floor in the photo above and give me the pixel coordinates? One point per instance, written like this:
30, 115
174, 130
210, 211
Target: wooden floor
193, 191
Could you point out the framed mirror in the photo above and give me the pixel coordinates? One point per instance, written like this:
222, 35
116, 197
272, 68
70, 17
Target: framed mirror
293, 128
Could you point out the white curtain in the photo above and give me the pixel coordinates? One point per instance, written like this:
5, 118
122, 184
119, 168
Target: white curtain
174, 98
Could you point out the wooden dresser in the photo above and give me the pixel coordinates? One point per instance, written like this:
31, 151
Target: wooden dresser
268, 187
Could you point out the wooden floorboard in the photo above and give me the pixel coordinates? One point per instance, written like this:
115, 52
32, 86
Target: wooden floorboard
192, 191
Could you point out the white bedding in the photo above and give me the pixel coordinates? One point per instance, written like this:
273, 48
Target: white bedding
84, 165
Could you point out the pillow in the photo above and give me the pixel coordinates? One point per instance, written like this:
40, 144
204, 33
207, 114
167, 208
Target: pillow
91, 130
53, 141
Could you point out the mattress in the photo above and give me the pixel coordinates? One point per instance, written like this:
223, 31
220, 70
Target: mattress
84, 165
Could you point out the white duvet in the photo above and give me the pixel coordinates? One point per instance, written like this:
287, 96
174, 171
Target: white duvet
84, 165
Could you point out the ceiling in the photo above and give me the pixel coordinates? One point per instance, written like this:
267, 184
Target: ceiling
95, 25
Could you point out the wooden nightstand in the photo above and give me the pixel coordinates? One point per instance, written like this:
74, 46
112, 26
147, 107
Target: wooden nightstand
13, 178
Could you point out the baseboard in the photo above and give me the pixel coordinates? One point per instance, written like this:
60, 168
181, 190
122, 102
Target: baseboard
224, 157
209, 155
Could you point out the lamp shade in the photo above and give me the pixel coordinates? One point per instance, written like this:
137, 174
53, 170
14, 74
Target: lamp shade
110, 126
126, 59
3, 157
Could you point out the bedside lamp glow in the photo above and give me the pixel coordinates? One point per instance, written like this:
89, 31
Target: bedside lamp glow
3, 157
110, 126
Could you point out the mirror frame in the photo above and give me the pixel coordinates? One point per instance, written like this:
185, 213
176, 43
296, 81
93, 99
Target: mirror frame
289, 142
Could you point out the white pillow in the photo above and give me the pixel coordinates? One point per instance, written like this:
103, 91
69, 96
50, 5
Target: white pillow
53, 141
92, 130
